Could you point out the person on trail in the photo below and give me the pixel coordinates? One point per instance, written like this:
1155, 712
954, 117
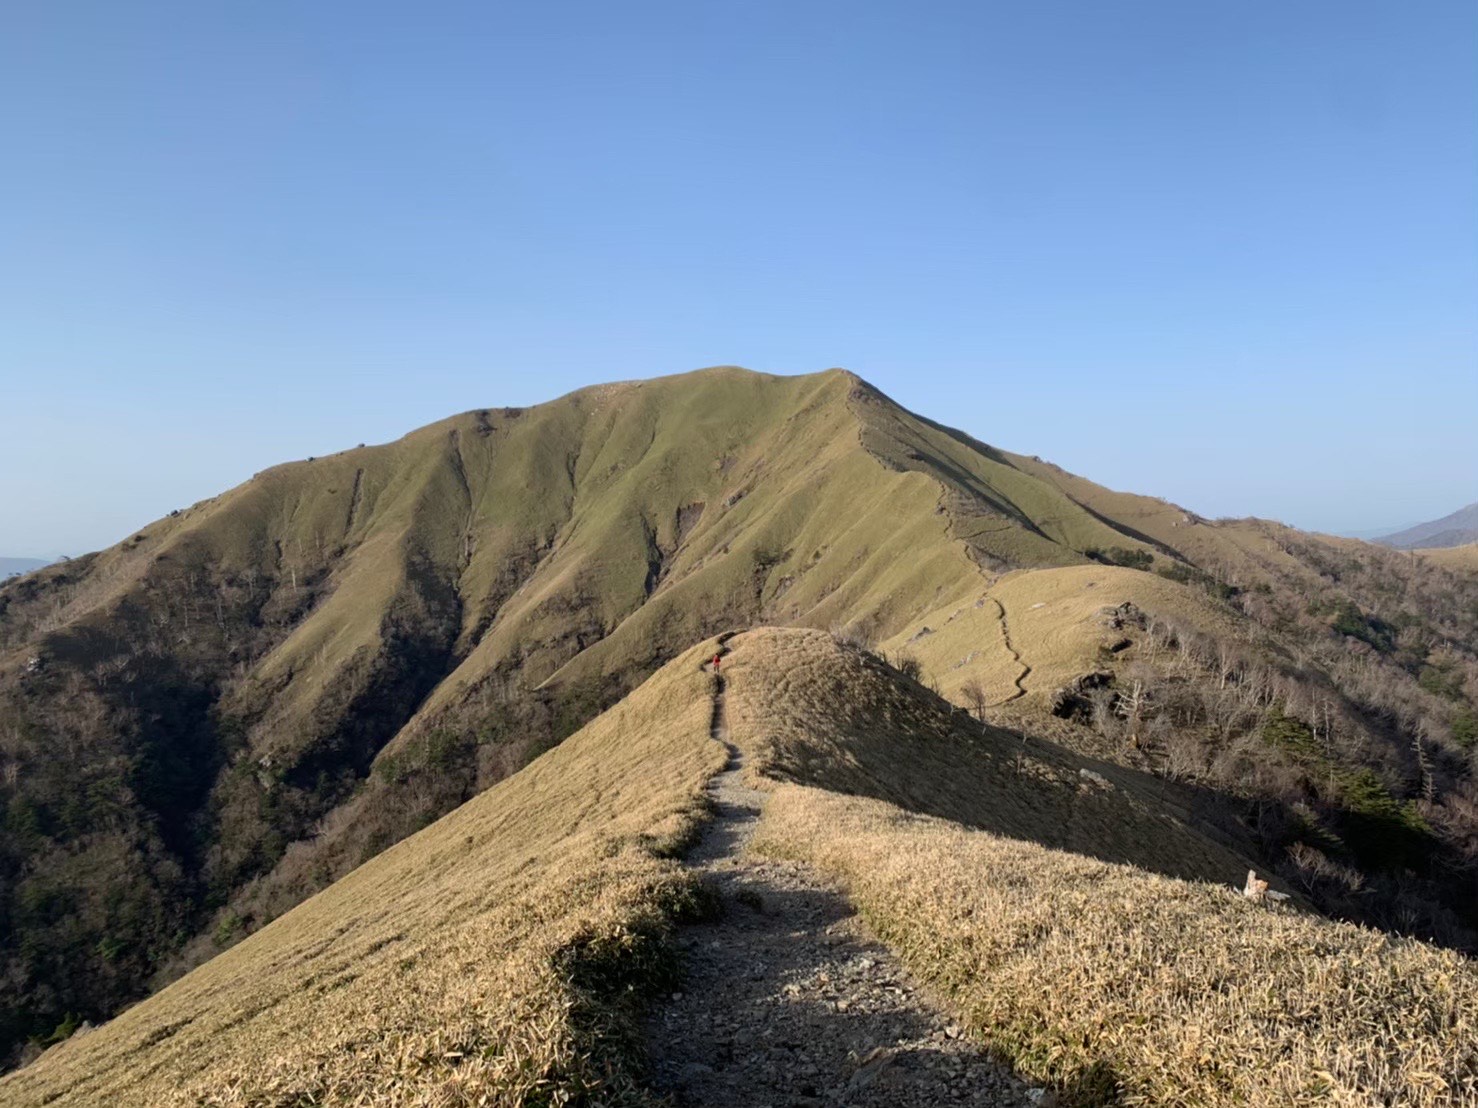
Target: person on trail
716, 657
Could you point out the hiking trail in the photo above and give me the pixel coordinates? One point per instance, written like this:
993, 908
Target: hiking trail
1015, 654
788, 1000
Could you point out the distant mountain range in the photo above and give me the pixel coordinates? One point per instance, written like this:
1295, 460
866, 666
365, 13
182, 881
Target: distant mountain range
20, 565
1457, 529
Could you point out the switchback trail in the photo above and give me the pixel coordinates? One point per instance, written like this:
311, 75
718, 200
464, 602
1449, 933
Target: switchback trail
1016, 656
788, 1001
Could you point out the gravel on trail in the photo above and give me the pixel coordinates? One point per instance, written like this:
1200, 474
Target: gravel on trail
788, 1001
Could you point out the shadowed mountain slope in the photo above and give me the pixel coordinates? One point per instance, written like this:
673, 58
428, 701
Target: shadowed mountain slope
465, 961
340, 650
815, 714
236, 706
506, 953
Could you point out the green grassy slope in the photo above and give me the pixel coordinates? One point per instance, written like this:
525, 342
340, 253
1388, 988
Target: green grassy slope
483, 960
343, 648
220, 715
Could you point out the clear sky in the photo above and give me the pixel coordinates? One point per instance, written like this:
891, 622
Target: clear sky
1225, 253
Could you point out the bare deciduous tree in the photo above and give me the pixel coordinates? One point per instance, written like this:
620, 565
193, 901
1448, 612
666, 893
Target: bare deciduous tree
975, 696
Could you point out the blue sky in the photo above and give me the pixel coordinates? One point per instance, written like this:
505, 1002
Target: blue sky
1222, 253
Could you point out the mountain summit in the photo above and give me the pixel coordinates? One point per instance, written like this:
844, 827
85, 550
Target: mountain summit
235, 707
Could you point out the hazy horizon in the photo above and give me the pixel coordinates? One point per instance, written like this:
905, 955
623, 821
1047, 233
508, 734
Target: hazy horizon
1222, 256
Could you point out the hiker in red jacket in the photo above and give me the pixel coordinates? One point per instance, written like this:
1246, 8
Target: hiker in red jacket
716, 657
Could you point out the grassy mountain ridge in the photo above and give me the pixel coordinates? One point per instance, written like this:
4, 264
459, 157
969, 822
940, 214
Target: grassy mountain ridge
210, 721
343, 648
504, 954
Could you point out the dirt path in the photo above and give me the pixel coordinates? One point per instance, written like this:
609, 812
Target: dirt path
1006, 640
789, 1001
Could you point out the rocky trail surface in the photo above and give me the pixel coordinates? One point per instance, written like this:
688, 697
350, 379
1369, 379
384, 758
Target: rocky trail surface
788, 1000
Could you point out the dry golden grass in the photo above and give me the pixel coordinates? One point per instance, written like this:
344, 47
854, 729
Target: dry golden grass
813, 713
1060, 639
1112, 983
481, 961
1452, 557
1232, 547
1052, 616
1120, 986
501, 956
961, 643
